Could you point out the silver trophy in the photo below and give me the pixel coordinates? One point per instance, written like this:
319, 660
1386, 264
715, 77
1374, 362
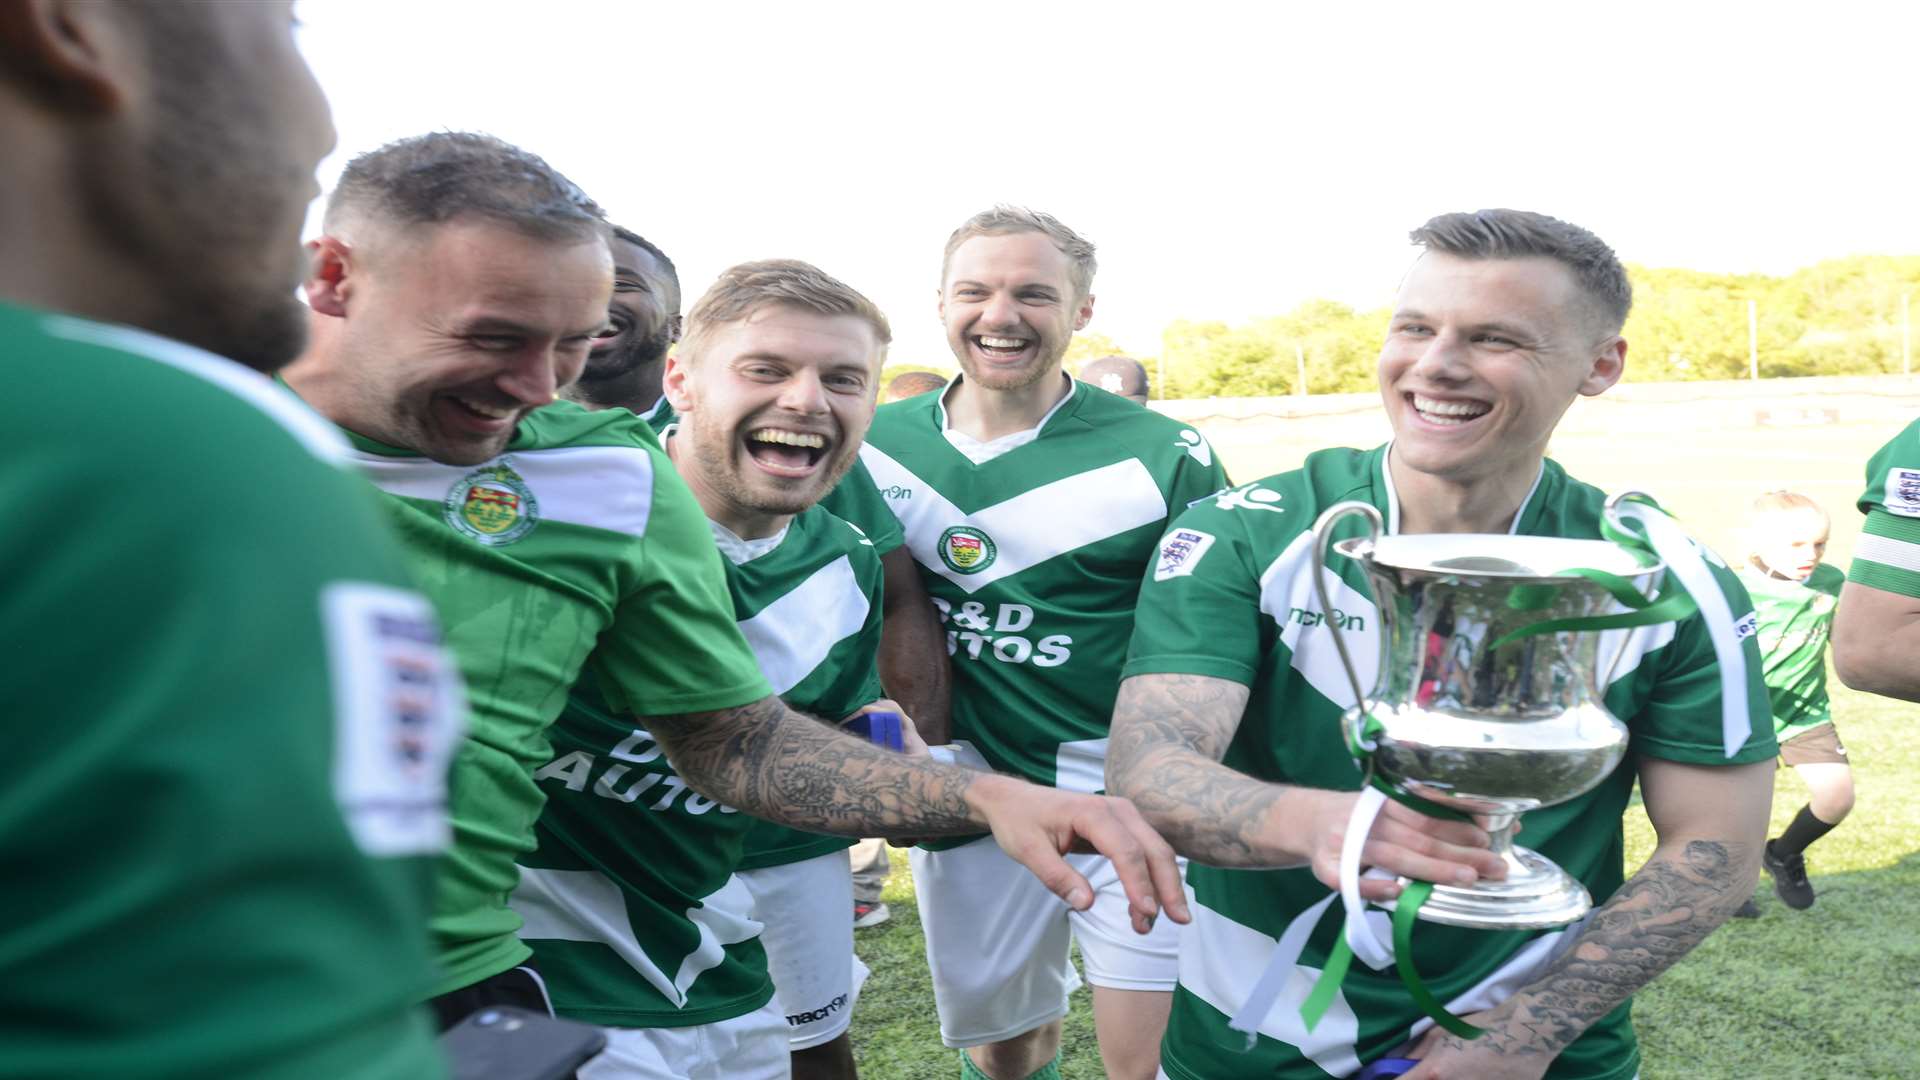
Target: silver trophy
1477, 721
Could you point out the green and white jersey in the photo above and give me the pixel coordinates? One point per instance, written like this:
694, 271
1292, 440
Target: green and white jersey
854, 498
1033, 558
577, 549
808, 601
631, 906
1887, 556
1796, 619
229, 718
1231, 596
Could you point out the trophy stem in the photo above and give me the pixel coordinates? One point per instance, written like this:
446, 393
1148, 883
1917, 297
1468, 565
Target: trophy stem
1535, 894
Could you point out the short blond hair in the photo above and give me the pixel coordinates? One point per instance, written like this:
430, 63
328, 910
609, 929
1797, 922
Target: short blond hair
1005, 220
1776, 502
744, 289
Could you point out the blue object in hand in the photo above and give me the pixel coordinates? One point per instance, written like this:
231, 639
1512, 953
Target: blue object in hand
879, 728
1385, 1068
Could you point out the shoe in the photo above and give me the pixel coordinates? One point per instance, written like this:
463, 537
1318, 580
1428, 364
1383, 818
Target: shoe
1748, 910
1789, 877
865, 915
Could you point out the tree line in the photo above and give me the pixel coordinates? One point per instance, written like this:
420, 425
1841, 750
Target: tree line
1837, 317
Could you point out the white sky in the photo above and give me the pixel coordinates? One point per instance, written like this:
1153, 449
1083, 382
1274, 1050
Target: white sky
1229, 159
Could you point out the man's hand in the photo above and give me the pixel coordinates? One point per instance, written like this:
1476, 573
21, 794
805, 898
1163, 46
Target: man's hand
911, 744
1037, 825
1504, 1052
1403, 842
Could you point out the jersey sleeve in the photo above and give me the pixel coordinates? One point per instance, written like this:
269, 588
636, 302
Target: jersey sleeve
857, 498
673, 646
1681, 720
1199, 606
1198, 474
863, 683
1887, 555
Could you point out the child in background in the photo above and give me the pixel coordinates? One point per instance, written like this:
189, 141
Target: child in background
1794, 595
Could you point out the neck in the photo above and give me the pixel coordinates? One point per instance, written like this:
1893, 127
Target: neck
316, 377
743, 522
636, 390
988, 414
1435, 504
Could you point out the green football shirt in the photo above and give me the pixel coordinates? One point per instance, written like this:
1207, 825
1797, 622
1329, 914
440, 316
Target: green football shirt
1887, 555
1231, 596
577, 549
229, 717
630, 902
1033, 559
1796, 619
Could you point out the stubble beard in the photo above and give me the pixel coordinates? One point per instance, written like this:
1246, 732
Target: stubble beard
627, 375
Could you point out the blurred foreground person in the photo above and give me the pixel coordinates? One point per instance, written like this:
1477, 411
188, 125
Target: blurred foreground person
231, 714
461, 282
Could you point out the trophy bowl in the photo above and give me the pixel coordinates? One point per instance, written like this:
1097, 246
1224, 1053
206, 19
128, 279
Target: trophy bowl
1473, 717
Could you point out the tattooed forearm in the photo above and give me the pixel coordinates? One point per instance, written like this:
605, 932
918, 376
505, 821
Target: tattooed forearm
1656, 918
1169, 733
775, 763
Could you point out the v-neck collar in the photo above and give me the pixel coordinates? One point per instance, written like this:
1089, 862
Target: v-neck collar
1393, 496
979, 452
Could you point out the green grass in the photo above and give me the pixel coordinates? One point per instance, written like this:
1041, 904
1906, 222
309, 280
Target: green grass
1830, 992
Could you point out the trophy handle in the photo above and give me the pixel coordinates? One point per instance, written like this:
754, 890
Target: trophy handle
1323, 536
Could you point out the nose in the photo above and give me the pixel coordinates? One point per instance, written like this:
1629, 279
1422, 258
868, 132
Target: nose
1443, 357
533, 378
804, 393
1000, 313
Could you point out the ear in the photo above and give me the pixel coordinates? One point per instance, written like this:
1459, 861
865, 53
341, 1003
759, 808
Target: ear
1609, 363
673, 383
330, 275
940, 308
81, 56
1085, 315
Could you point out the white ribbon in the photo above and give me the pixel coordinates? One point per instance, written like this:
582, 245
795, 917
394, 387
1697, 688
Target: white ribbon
1684, 561
1370, 950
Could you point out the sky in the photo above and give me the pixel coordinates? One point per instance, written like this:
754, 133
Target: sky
1229, 159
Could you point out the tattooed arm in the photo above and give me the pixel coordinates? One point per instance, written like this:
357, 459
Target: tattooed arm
770, 761
1711, 822
1170, 732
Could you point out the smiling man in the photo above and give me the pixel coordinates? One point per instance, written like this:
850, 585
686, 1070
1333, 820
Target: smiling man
625, 364
1228, 730
461, 281
774, 389
1031, 504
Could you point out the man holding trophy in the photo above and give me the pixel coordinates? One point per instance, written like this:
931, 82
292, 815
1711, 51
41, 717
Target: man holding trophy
1504, 686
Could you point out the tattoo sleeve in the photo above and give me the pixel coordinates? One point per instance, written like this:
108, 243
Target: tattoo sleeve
1169, 734
788, 767
1703, 869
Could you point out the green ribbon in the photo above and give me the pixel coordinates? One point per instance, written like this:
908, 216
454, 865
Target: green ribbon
1670, 604
1404, 915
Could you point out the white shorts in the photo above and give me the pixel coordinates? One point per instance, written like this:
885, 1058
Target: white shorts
749, 1047
807, 908
998, 941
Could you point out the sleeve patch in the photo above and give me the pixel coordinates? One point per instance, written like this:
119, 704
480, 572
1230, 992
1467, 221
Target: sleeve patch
1902, 494
1180, 552
399, 711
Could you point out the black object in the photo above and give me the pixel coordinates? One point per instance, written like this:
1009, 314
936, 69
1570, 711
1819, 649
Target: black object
504, 1043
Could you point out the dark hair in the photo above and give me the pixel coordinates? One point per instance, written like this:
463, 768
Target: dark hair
1518, 234
435, 178
648, 246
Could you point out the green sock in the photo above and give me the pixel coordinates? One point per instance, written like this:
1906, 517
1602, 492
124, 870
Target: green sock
970, 1071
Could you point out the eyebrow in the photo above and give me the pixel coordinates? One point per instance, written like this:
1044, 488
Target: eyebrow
1502, 328
493, 324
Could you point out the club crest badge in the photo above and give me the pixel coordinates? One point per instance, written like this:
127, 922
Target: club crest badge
966, 550
1180, 552
1903, 492
493, 505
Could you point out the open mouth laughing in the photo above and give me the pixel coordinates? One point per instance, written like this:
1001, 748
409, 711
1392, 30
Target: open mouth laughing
1002, 347
1447, 412
785, 452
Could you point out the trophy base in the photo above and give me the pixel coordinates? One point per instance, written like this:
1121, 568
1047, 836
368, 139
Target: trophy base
1535, 895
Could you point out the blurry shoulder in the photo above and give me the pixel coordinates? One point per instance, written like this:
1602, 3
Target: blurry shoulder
565, 424
1144, 433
